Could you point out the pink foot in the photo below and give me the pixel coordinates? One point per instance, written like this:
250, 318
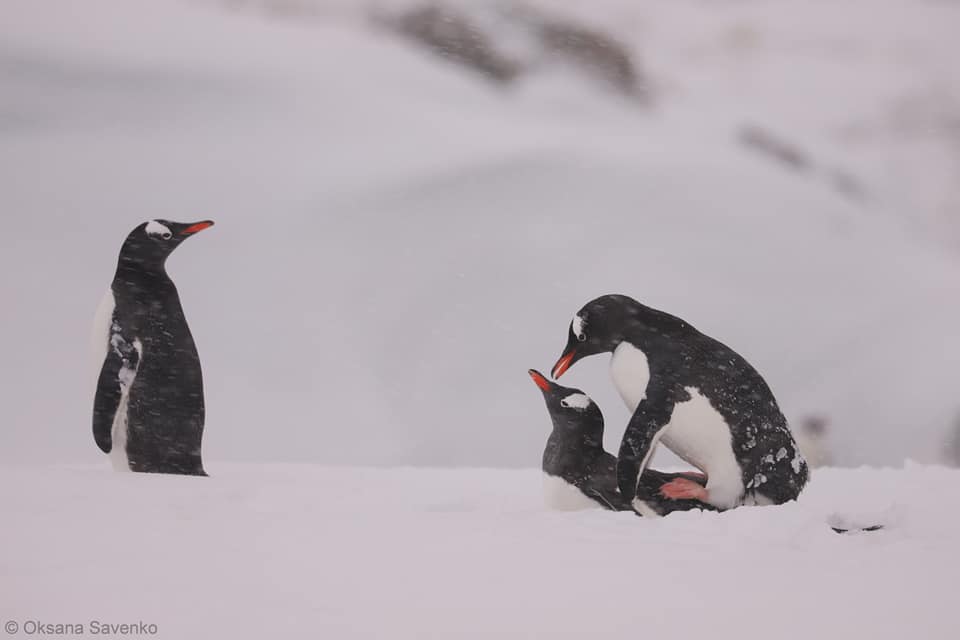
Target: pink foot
683, 489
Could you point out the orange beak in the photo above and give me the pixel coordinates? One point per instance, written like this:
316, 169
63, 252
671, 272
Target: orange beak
562, 364
200, 226
541, 382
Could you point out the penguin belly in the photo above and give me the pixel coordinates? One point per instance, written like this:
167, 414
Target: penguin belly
118, 435
121, 421
697, 432
560, 495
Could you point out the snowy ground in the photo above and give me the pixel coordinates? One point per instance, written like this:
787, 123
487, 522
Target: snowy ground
306, 551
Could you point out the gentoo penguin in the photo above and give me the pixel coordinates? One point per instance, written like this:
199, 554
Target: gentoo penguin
148, 411
813, 439
579, 473
697, 396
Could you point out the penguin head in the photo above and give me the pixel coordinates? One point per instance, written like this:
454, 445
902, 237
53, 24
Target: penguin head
572, 411
150, 243
597, 328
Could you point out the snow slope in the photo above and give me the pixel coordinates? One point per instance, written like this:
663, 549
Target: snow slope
307, 551
397, 243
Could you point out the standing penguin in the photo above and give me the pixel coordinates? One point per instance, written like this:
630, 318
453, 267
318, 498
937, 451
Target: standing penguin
579, 473
697, 396
148, 411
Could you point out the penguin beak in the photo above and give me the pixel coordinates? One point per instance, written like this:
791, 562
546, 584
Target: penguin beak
563, 363
194, 228
539, 380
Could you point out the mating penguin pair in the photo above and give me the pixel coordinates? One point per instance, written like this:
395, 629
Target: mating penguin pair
695, 395
579, 473
148, 410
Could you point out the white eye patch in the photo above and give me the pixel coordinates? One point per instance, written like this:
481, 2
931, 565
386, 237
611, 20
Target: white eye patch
154, 228
576, 401
577, 327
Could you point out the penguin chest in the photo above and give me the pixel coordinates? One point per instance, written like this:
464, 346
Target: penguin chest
561, 495
631, 374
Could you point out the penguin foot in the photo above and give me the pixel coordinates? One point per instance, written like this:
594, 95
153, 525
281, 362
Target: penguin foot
683, 489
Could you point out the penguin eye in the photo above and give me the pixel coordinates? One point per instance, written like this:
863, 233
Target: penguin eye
166, 235
582, 337
564, 403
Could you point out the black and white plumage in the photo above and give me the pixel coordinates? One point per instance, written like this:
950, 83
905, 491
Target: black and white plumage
578, 472
695, 395
148, 411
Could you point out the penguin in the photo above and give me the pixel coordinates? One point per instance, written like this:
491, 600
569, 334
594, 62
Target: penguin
579, 473
148, 409
813, 439
695, 395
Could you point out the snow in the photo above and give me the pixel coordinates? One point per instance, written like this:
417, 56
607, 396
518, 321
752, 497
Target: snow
340, 552
797, 462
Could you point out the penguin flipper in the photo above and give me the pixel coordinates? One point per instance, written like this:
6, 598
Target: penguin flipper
639, 440
116, 375
107, 400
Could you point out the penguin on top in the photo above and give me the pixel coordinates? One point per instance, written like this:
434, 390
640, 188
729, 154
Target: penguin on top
579, 473
695, 395
148, 410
